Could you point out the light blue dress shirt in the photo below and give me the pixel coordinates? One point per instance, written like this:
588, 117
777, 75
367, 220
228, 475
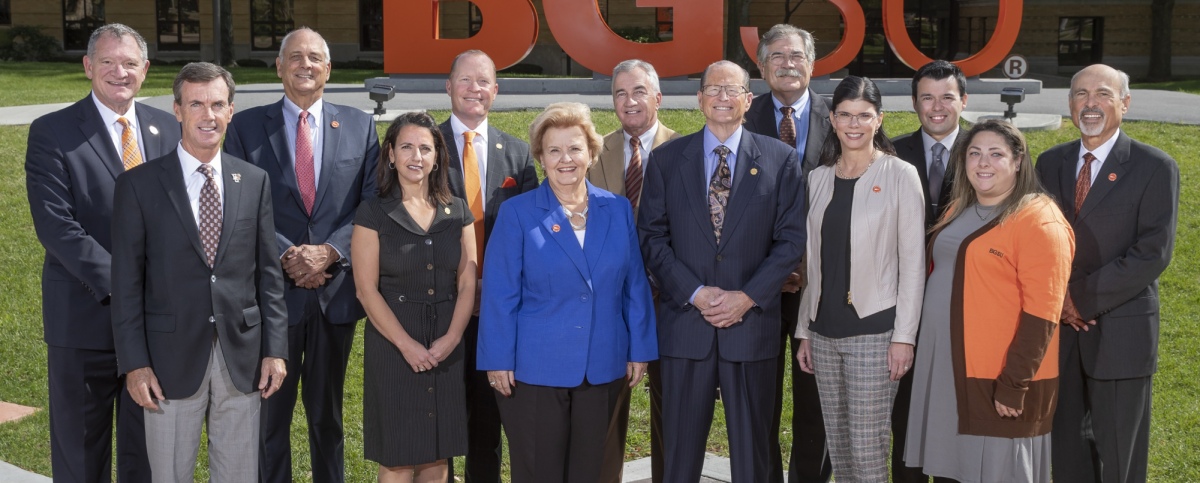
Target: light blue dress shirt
711, 159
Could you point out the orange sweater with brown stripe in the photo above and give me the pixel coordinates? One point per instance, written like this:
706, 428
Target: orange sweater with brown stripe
1009, 283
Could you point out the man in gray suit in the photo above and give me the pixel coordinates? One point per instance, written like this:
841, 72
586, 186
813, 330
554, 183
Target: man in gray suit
321, 158
721, 226
198, 314
796, 115
487, 167
1122, 199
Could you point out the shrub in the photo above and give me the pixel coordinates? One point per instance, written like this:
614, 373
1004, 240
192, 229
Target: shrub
28, 43
531, 69
250, 63
357, 64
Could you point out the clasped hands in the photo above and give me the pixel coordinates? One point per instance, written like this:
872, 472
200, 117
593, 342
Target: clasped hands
722, 308
422, 359
306, 264
1071, 317
144, 389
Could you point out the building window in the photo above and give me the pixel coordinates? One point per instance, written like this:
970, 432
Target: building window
5, 12
474, 20
664, 22
80, 18
370, 25
178, 24
270, 21
974, 33
1080, 40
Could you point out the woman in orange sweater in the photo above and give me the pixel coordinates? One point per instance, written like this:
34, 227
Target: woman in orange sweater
986, 377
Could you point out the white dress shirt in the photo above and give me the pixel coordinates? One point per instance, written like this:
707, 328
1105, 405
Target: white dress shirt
1101, 153
194, 180
115, 129
481, 151
647, 140
928, 142
291, 118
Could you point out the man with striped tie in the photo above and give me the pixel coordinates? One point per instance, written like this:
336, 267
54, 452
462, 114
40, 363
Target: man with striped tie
73, 160
487, 167
636, 98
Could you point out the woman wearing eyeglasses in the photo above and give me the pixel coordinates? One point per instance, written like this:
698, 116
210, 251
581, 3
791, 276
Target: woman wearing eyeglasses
858, 317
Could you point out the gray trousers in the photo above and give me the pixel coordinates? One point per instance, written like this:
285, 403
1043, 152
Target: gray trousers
856, 399
173, 431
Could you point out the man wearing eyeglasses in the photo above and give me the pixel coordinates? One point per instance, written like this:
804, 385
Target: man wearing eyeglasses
721, 225
636, 98
800, 118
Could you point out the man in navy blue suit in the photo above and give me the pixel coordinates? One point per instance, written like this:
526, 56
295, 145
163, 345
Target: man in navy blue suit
71, 166
321, 158
721, 228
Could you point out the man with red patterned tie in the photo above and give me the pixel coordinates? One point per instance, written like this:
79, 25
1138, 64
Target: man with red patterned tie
636, 98
487, 167
321, 158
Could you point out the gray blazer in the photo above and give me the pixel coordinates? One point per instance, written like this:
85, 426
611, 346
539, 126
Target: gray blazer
508, 157
1124, 236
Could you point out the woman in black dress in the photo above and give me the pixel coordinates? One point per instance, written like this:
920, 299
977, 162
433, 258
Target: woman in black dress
411, 260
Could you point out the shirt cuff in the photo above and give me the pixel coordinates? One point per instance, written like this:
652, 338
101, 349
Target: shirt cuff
342, 261
692, 299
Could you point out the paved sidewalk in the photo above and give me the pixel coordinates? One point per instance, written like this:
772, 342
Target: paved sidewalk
1147, 105
12, 474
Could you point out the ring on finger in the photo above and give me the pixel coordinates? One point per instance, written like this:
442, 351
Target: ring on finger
492, 383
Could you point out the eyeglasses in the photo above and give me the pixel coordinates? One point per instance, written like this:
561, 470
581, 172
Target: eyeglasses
843, 117
731, 91
778, 58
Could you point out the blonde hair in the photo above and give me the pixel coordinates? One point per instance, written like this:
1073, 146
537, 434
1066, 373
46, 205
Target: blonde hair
962, 193
564, 115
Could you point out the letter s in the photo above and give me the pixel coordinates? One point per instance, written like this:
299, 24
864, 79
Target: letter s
412, 46
847, 49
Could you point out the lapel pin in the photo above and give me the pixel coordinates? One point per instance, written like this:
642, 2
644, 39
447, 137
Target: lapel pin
237, 177
334, 124
499, 146
153, 130
875, 189
447, 210
1112, 176
556, 228
753, 171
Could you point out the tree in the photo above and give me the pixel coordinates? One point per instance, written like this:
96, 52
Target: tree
788, 9
739, 15
1160, 40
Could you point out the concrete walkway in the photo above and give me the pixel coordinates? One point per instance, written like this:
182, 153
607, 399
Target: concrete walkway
1147, 105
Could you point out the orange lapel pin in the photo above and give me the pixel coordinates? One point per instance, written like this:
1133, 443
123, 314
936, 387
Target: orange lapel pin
334, 124
875, 189
1112, 176
555, 228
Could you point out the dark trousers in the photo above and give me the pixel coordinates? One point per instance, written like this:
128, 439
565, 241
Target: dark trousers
1101, 427
900, 472
483, 418
618, 429
84, 388
809, 462
689, 388
557, 434
318, 353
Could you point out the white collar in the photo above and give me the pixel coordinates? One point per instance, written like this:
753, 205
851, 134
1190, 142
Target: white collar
647, 138
459, 128
110, 117
1101, 151
947, 142
190, 163
796, 107
314, 111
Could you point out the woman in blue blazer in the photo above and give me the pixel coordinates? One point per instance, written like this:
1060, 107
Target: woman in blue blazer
566, 314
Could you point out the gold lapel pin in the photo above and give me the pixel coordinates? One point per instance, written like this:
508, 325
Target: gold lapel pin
153, 130
237, 177
447, 211
499, 146
753, 171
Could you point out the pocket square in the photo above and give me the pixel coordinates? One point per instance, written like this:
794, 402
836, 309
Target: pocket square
509, 183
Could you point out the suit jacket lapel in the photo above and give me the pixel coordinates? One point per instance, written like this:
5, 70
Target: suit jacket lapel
663, 135
1111, 173
497, 164
1067, 179
695, 185
612, 163
230, 205
599, 225
818, 128
276, 132
744, 183
329, 152
456, 169
96, 133
565, 236
172, 181
151, 138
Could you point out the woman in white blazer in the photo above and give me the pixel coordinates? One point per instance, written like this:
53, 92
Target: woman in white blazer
866, 258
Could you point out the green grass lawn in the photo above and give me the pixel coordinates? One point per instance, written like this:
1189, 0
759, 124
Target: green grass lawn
1176, 424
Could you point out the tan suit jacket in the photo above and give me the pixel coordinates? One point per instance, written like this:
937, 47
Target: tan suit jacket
609, 173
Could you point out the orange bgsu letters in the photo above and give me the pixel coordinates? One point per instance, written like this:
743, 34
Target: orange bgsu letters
412, 46
847, 49
585, 37
1008, 25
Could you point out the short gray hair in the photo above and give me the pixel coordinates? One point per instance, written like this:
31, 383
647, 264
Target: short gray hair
629, 65
720, 63
116, 30
782, 31
286, 38
201, 73
1124, 92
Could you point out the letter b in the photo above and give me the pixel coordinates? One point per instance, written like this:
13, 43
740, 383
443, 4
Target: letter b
412, 46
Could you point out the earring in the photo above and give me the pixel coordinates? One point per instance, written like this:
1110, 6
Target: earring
435, 168
392, 165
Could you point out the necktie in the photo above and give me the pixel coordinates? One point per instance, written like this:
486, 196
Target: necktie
633, 174
787, 127
306, 175
937, 173
130, 155
718, 191
210, 215
474, 193
1083, 183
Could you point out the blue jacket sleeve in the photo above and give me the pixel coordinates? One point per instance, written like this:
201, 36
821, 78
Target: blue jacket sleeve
500, 301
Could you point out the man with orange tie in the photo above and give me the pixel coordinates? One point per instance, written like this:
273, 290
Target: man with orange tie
487, 167
71, 167
636, 98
